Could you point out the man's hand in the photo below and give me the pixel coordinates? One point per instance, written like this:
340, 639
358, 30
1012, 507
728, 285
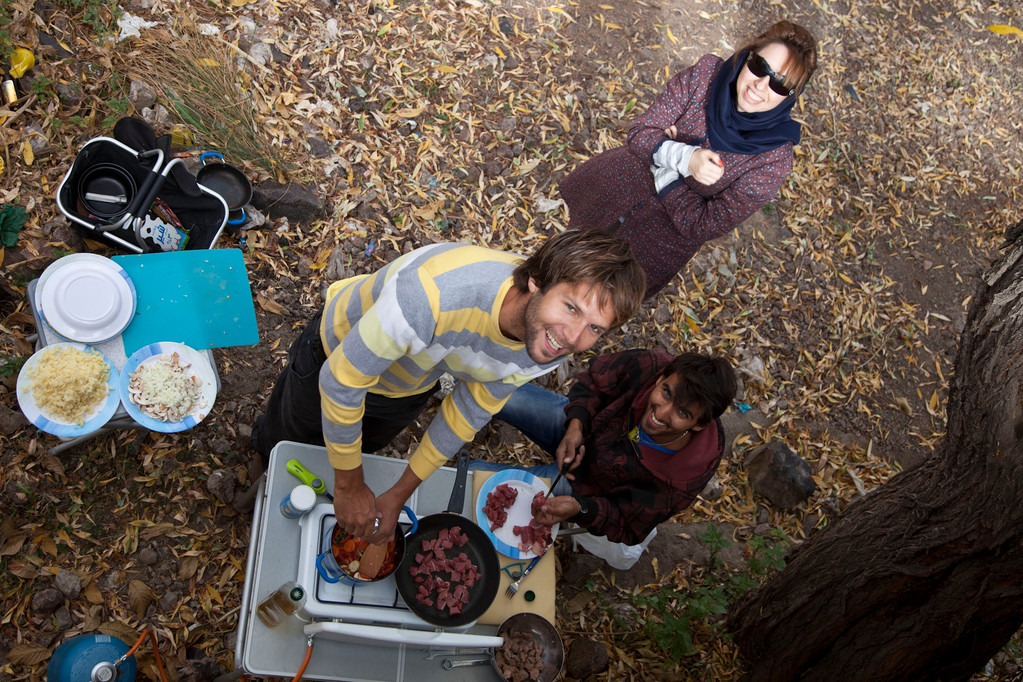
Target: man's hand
388, 506
706, 166
571, 448
355, 504
556, 510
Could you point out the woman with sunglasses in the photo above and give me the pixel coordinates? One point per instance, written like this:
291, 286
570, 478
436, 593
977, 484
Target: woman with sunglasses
712, 149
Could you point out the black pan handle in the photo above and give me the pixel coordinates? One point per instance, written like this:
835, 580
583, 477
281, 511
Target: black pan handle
150, 186
461, 474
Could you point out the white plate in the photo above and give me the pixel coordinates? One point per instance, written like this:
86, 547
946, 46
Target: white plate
93, 421
198, 366
87, 298
519, 514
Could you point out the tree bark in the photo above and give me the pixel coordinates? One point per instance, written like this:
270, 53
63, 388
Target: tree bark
923, 578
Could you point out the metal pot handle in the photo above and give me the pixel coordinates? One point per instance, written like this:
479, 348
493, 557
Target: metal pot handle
450, 663
415, 521
206, 155
323, 571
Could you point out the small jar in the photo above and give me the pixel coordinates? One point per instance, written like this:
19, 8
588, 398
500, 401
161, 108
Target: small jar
299, 501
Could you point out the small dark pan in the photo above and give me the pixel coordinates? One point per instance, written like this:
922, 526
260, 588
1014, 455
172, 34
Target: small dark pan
226, 180
537, 628
479, 549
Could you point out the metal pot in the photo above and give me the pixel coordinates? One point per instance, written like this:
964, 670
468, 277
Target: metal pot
541, 630
340, 562
224, 179
106, 190
479, 549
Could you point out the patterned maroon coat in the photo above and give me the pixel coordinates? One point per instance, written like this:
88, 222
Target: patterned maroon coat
625, 499
615, 190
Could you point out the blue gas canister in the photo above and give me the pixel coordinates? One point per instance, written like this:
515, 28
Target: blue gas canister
91, 658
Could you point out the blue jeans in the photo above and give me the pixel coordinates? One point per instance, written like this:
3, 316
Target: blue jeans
540, 415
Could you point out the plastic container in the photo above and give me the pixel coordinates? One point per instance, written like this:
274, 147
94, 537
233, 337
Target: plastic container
299, 501
285, 601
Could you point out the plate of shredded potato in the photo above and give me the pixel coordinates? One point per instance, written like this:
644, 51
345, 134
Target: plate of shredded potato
168, 387
68, 389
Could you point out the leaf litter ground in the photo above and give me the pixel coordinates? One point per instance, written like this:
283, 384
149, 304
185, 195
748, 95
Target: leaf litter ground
454, 121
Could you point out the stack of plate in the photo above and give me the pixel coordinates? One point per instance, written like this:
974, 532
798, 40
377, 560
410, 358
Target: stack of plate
86, 298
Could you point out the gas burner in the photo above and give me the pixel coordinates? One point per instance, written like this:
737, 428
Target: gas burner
369, 602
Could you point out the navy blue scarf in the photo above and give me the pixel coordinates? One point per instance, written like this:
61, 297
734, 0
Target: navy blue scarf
731, 130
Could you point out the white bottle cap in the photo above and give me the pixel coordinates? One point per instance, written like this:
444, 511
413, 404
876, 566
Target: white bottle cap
303, 498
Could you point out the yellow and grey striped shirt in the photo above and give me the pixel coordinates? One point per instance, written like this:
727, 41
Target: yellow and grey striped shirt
396, 331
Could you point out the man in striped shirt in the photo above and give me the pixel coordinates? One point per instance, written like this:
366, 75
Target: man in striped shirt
366, 365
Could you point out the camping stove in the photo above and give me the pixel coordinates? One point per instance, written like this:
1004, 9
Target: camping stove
367, 602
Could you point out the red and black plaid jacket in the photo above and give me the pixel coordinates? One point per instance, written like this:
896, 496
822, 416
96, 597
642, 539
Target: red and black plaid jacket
625, 500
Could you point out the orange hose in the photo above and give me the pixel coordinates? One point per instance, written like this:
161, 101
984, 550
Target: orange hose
308, 655
156, 651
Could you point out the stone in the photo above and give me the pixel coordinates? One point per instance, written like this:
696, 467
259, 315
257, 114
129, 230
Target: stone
780, 475
202, 670
222, 485
261, 53
585, 657
62, 617
319, 148
141, 95
291, 201
737, 423
148, 556
580, 567
47, 601
157, 117
69, 94
713, 490
69, 584
11, 421
169, 600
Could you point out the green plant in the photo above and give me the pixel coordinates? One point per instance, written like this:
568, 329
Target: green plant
10, 365
43, 88
121, 106
676, 619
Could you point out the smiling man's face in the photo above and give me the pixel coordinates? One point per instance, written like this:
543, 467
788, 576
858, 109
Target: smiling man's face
566, 319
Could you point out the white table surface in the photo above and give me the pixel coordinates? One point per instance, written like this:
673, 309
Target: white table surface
273, 560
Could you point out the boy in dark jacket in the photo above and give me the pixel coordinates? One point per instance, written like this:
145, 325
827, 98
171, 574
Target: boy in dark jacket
640, 433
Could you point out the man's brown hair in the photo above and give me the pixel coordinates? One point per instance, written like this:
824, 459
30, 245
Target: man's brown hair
589, 257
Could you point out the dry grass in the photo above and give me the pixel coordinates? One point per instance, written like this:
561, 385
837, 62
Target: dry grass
200, 79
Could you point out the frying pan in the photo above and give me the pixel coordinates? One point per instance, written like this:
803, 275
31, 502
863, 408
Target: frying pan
224, 179
105, 190
542, 631
479, 549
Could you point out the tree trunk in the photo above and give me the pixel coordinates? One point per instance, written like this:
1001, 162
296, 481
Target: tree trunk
923, 578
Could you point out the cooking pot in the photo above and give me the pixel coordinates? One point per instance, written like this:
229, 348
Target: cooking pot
540, 630
224, 179
106, 190
478, 548
340, 563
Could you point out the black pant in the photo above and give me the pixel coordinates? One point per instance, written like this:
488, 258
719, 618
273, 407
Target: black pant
293, 411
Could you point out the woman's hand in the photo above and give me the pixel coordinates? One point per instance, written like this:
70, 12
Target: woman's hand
571, 448
556, 510
706, 166
671, 132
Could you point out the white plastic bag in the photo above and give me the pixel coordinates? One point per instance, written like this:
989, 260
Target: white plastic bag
616, 554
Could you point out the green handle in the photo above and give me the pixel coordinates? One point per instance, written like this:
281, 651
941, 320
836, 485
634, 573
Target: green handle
304, 475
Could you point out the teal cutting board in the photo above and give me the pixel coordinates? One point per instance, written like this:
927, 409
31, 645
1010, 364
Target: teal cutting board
200, 298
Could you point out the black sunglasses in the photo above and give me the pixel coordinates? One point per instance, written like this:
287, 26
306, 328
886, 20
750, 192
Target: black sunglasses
759, 67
